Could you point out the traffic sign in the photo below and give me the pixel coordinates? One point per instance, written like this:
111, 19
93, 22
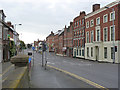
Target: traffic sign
33, 48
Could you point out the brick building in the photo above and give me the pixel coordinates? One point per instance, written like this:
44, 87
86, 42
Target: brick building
50, 42
99, 33
38, 45
79, 35
68, 40
56, 41
61, 42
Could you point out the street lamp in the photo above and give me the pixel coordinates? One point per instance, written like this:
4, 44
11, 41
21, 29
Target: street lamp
113, 32
16, 25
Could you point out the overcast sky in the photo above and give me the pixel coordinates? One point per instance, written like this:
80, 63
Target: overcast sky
40, 17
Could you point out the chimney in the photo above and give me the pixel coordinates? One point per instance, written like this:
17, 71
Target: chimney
71, 23
96, 7
83, 12
9, 24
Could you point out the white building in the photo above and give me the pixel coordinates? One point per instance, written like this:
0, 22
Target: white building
99, 33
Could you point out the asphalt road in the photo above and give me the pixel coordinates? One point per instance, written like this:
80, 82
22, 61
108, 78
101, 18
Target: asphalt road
105, 74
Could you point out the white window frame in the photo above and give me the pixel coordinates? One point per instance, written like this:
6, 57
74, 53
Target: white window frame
98, 27
93, 23
110, 32
91, 35
104, 34
96, 20
87, 37
110, 16
104, 18
87, 24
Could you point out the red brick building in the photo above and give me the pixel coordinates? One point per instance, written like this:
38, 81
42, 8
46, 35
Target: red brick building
79, 35
50, 42
38, 45
99, 33
56, 41
61, 42
68, 40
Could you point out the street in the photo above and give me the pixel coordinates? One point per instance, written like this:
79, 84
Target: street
104, 74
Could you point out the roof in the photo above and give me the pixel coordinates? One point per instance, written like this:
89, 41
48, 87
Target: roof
102, 9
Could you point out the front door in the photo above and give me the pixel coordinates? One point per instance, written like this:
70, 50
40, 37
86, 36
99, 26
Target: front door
97, 53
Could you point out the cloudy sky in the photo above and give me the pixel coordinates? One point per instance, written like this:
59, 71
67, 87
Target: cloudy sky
40, 17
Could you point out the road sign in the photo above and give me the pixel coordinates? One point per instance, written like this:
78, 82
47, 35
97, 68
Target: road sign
33, 48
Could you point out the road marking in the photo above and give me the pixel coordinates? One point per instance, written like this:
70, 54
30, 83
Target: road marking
80, 78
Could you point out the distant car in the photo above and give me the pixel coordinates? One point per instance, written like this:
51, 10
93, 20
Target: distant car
29, 53
39, 51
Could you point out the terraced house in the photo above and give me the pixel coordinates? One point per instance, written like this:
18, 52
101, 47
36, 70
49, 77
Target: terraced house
102, 39
79, 35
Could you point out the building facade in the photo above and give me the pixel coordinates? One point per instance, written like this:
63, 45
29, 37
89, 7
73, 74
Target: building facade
99, 38
50, 42
79, 35
61, 42
68, 40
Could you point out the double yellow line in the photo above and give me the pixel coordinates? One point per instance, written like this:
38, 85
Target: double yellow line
80, 78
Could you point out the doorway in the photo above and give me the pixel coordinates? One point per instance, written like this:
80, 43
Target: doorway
97, 52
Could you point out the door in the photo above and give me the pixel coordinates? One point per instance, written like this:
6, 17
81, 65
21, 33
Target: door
97, 53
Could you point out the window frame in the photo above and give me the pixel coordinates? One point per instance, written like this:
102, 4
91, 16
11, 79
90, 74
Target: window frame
91, 24
99, 21
104, 18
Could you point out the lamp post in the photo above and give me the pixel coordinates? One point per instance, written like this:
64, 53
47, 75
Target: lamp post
113, 32
16, 39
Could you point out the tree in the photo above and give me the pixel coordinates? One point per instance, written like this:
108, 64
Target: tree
29, 46
22, 45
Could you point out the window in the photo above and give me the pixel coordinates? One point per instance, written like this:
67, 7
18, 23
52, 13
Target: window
91, 51
91, 23
105, 18
87, 24
82, 21
111, 52
79, 32
87, 51
92, 36
79, 43
75, 24
83, 52
105, 52
98, 35
105, 34
87, 37
112, 34
79, 22
112, 16
80, 52
98, 21
82, 42
82, 32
